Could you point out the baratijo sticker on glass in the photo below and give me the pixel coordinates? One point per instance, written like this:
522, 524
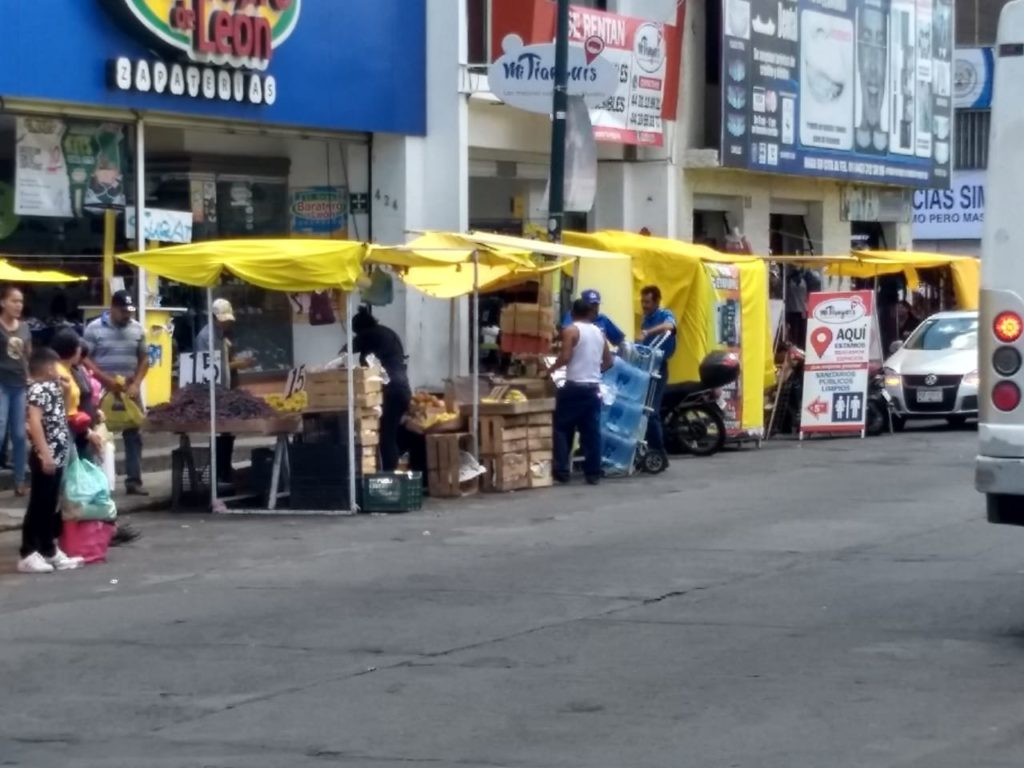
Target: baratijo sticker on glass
230, 44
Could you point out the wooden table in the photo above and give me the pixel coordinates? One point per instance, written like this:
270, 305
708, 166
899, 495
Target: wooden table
280, 428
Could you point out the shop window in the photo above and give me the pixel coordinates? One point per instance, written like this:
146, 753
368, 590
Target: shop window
977, 21
58, 179
972, 132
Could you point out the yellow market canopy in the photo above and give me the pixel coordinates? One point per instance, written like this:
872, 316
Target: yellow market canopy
434, 249
441, 264
290, 265
9, 273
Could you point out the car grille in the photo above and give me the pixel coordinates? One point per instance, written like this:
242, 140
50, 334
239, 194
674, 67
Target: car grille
940, 381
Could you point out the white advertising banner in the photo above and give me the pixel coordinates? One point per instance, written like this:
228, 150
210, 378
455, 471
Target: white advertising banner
957, 213
838, 353
42, 186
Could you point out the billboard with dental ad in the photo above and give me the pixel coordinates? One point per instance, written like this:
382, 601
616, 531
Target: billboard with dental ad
859, 90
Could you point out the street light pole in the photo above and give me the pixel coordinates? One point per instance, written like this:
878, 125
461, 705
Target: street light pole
560, 106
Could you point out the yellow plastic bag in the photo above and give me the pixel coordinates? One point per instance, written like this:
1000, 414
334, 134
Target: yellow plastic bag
121, 412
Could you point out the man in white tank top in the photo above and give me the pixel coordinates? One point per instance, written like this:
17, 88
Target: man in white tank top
585, 355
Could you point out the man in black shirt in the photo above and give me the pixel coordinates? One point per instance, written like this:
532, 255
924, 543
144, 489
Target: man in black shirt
372, 338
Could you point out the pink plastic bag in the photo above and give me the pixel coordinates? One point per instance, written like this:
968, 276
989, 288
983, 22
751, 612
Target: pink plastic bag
87, 538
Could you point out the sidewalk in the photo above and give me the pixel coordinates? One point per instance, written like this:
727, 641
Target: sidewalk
12, 508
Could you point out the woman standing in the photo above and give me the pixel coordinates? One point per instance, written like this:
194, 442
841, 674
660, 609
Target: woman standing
15, 348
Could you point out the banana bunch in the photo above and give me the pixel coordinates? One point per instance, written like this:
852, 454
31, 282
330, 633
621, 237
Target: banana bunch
515, 396
439, 418
294, 404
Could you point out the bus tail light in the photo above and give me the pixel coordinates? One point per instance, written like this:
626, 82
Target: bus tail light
1008, 327
1006, 361
1006, 396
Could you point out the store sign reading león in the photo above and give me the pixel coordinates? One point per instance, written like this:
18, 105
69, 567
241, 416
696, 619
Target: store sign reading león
230, 43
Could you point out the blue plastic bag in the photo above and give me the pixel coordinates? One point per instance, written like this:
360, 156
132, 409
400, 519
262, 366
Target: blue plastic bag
85, 494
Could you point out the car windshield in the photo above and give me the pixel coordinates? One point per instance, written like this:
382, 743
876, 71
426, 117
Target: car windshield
938, 333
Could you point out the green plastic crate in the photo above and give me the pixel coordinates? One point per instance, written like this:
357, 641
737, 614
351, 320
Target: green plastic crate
392, 492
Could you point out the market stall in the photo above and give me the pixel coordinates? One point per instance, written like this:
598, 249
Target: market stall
291, 265
720, 301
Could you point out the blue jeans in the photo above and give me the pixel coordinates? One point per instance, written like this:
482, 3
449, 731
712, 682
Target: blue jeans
12, 421
578, 408
132, 456
655, 429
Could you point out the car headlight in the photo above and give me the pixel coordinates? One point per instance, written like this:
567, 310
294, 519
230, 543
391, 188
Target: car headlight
892, 379
971, 379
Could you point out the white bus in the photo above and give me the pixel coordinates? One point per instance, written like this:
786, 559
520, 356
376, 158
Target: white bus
999, 473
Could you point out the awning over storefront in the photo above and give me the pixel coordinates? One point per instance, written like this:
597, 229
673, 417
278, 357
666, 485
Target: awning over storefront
290, 265
12, 274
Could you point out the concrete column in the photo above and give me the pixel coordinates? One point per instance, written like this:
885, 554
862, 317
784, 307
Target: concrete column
423, 183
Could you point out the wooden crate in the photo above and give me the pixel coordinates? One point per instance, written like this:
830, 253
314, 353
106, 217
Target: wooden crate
500, 435
443, 461
368, 459
541, 475
510, 472
328, 390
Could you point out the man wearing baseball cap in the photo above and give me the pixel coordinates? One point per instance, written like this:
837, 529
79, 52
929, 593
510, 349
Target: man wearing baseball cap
216, 336
120, 360
611, 331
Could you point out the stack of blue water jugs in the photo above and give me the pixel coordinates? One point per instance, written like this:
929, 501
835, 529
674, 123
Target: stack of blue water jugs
623, 413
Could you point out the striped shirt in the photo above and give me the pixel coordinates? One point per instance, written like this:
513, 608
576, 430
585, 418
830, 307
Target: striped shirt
116, 351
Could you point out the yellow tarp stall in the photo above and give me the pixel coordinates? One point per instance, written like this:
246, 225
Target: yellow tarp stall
291, 265
678, 269
869, 264
9, 273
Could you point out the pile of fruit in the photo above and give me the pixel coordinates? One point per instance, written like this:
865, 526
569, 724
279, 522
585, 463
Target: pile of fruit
192, 404
428, 412
295, 403
512, 396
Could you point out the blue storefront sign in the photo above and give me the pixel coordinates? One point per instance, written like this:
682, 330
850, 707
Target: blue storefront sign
313, 64
850, 89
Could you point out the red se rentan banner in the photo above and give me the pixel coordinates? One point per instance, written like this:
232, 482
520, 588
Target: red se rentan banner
645, 53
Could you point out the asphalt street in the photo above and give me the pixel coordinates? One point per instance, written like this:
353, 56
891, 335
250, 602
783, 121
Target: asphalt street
835, 603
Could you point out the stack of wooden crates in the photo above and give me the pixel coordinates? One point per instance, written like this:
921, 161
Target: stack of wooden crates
327, 392
516, 441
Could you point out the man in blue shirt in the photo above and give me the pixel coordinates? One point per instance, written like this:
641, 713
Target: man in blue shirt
657, 322
611, 331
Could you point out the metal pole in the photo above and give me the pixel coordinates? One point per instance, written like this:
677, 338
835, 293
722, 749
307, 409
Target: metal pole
560, 106
213, 403
475, 309
140, 210
350, 379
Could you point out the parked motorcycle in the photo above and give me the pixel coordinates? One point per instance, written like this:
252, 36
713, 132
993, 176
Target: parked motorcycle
880, 416
691, 415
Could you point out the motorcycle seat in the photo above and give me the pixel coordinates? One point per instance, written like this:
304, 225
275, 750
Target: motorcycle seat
683, 389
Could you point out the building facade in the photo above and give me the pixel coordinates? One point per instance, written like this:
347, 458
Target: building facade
757, 134
227, 119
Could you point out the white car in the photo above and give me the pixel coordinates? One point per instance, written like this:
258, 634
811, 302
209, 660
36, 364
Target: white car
934, 374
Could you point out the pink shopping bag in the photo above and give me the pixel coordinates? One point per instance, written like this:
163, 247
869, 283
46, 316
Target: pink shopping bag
87, 538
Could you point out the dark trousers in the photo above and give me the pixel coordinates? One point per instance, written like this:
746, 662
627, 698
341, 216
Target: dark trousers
132, 456
42, 525
655, 428
396, 404
225, 451
578, 409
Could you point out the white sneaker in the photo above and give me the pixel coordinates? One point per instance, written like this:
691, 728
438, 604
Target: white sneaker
62, 562
34, 563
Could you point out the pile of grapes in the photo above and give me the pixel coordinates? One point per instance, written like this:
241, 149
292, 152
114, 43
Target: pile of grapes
192, 404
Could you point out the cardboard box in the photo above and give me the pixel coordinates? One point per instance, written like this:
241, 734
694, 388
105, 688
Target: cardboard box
528, 320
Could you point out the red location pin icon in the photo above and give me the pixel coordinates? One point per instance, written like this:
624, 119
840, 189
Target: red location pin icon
592, 48
821, 340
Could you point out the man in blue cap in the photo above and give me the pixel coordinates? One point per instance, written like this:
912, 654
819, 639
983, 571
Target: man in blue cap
611, 331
